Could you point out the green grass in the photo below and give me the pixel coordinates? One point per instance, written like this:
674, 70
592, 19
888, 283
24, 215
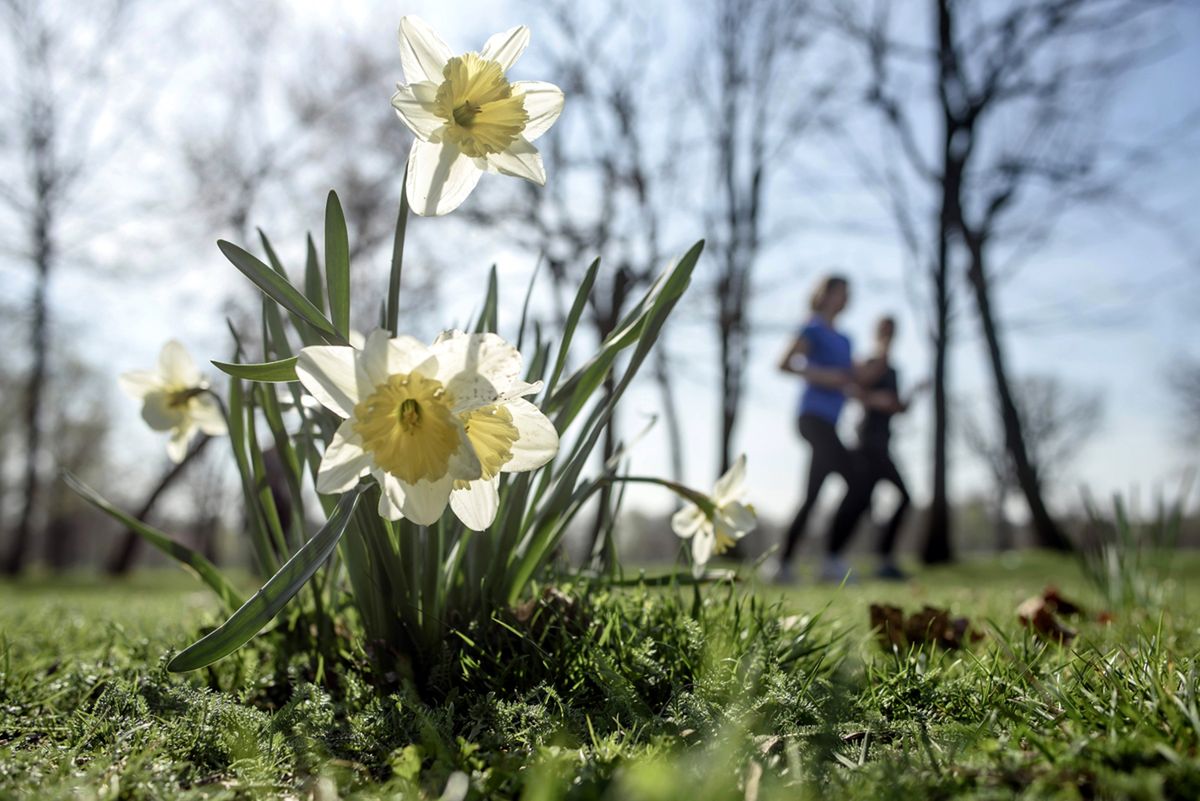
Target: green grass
631, 694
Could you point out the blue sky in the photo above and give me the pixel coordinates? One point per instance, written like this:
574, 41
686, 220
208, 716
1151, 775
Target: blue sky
1098, 260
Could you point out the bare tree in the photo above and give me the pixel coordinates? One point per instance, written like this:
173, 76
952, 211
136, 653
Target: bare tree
757, 108
1057, 420
77, 428
613, 182
276, 139
1020, 90
59, 62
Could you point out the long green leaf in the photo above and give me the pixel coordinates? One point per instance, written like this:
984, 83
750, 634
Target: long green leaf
537, 268
237, 414
276, 264
654, 308
279, 371
205, 570
276, 287
392, 312
272, 597
489, 316
581, 296
337, 264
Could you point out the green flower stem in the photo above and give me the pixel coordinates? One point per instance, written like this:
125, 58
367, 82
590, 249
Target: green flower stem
700, 499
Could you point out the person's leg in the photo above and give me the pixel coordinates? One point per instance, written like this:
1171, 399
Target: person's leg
891, 529
821, 464
860, 484
846, 464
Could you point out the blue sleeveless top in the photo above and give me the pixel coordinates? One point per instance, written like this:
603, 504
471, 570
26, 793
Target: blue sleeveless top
826, 348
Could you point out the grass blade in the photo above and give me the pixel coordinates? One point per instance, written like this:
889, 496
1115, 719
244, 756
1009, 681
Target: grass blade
205, 570
272, 597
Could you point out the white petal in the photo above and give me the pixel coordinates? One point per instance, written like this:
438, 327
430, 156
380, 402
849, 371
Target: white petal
425, 501
520, 389
687, 521
387, 509
439, 178
206, 413
464, 359
737, 517
702, 546
506, 47
477, 504
391, 495
137, 383
158, 413
177, 445
543, 104
422, 53
407, 354
729, 486
537, 441
374, 358
344, 463
521, 160
331, 373
177, 367
414, 104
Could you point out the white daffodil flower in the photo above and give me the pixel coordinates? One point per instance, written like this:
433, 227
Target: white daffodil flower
175, 398
467, 117
432, 424
715, 530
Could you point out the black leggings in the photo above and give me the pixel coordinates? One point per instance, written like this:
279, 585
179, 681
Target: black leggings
829, 455
871, 465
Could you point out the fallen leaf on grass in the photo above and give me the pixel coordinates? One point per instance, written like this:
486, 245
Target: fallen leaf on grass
1039, 614
1058, 604
928, 625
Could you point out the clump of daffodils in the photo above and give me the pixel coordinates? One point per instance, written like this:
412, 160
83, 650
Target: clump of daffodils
176, 398
433, 425
720, 521
467, 117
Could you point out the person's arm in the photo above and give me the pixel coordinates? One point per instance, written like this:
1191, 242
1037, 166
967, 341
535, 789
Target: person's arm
867, 373
827, 377
887, 400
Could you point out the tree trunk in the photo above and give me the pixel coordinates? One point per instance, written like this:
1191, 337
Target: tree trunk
1046, 532
728, 401
937, 548
123, 557
39, 343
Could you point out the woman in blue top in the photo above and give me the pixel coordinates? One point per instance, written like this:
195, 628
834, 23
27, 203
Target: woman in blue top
821, 355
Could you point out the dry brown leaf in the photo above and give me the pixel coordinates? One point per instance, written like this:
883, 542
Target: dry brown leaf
1039, 614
